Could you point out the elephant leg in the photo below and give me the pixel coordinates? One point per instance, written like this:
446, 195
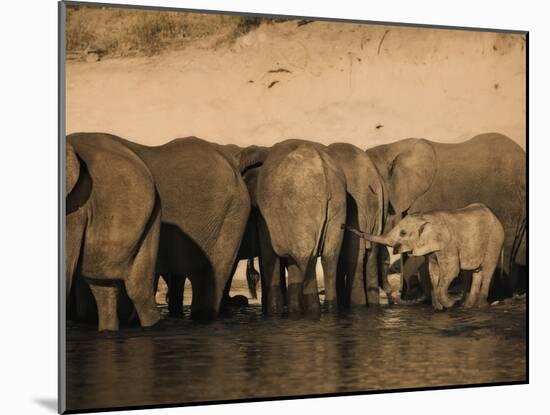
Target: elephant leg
83, 305
176, 284
475, 287
434, 272
448, 271
141, 292
342, 289
226, 298
373, 272
487, 270
239, 300
270, 273
126, 310
203, 287
330, 269
310, 301
425, 283
140, 281
223, 253
484, 289
411, 267
106, 295
75, 226
356, 270
383, 260
295, 291
329, 256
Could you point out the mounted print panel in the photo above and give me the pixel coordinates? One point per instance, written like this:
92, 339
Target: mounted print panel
274, 207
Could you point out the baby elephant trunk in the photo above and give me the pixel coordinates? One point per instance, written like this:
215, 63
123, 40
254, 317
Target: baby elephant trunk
370, 238
378, 239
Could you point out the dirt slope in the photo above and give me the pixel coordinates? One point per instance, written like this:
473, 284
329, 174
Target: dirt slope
328, 81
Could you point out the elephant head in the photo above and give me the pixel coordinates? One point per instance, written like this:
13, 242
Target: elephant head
416, 234
408, 169
419, 235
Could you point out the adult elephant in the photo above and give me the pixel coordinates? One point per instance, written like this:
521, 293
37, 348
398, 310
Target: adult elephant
422, 175
205, 207
112, 225
249, 160
366, 209
301, 196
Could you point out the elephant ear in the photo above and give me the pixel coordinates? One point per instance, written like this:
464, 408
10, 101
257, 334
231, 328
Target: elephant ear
410, 174
432, 237
72, 169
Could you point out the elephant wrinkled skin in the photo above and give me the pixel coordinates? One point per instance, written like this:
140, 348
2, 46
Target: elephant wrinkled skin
301, 196
468, 239
366, 209
205, 207
422, 175
112, 225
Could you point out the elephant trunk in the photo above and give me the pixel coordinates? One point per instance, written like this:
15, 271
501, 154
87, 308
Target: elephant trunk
383, 240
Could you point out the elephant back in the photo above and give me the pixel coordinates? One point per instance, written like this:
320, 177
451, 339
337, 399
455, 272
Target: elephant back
122, 199
293, 181
489, 169
200, 189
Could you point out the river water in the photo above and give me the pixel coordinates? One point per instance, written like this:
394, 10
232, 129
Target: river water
249, 355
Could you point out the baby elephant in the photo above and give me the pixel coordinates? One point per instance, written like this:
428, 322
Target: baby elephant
468, 239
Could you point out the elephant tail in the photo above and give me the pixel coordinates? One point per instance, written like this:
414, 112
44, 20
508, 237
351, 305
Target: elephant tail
323, 233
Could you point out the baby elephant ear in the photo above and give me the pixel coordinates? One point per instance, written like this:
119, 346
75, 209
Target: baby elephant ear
73, 169
430, 239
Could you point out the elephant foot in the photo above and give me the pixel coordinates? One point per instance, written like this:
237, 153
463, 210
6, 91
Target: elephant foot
482, 304
175, 311
203, 314
420, 300
469, 303
373, 296
108, 326
448, 305
311, 304
394, 297
437, 305
149, 318
238, 301
330, 306
295, 299
274, 302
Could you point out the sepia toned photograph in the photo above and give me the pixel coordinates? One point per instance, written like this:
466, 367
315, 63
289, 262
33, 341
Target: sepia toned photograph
275, 207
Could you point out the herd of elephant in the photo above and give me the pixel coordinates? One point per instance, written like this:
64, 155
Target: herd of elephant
192, 209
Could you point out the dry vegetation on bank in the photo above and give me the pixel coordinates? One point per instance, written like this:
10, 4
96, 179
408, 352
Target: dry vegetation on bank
121, 32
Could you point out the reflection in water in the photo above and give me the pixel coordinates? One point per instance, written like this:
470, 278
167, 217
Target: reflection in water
252, 356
